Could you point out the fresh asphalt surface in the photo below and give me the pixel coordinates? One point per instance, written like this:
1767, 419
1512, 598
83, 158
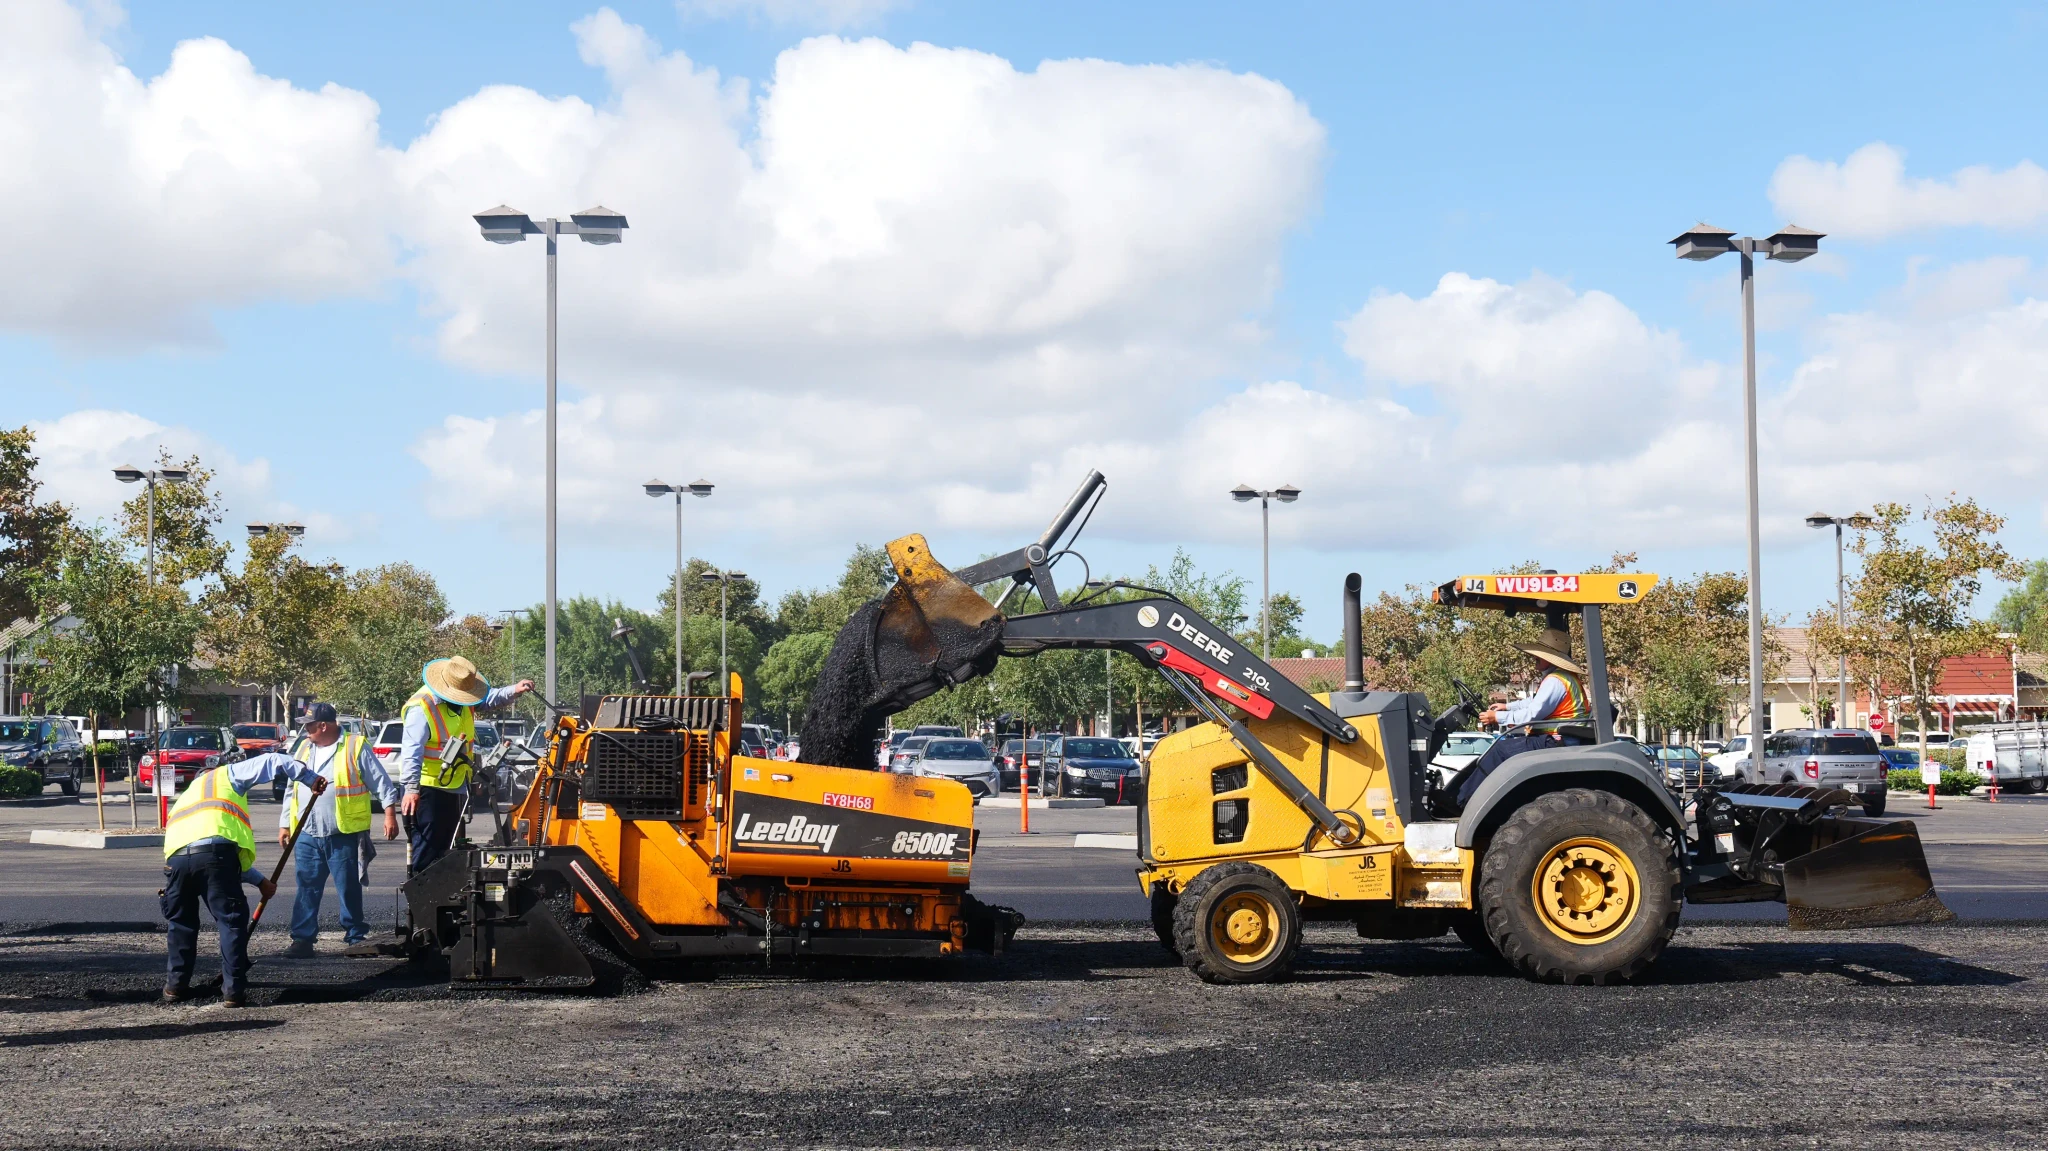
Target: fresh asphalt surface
1086, 1034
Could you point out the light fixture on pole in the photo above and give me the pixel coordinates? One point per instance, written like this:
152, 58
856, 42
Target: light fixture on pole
1822, 520
129, 474
257, 531
724, 581
657, 489
1286, 494
1788, 245
503, 225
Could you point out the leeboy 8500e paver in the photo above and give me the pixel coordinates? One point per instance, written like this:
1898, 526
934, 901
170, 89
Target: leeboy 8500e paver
644, 837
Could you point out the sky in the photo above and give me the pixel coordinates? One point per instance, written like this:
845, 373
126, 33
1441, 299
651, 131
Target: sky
916, 266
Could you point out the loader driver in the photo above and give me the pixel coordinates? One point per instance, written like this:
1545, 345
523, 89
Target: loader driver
436, 790
1554, 715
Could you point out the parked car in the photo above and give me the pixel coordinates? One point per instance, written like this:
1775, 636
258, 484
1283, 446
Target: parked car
886, 749
514, 729
1935, 739
1682, 768
187, 751
1460, 749
1091, 766
938, 729
906, 753
487, 735
390, 737
1900, 758
966, 760
1011, 751
1731, 761
757, 740
1710, 748
47, 745
257, 738
1847, 758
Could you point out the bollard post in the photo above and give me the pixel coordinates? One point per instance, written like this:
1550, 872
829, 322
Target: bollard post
1930, 798
1991, 793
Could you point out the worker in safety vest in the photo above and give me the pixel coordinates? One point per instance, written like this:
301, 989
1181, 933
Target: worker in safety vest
209, 853
337, 826
437, 715
1555, 714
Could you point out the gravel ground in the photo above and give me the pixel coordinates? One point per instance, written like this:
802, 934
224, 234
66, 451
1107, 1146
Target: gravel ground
1083, 1036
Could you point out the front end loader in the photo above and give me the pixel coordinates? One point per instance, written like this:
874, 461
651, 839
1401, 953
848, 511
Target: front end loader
1571, 862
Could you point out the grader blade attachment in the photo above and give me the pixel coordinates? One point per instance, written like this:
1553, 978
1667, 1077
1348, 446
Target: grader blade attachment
929, 632
1861, 873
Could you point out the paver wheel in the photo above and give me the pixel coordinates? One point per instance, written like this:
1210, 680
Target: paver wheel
1237, 923
1579, 886
1163, 902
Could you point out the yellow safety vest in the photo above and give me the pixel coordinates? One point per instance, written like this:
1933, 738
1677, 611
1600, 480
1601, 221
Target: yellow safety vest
350, 791
211, 807
1574, 708
440, 725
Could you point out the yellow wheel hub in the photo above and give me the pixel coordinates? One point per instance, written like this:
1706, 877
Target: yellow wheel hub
1245, 927
1586, 890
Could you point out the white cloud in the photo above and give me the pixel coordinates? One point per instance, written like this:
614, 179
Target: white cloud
830, 15
1868, 196
209, 185
77, 454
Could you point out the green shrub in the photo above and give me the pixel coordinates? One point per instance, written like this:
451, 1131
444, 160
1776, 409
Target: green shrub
16, 782
1957, 782
109, 751
1905, 779
1948, 757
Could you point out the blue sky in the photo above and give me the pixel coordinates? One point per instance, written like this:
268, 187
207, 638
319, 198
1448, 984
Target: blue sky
1549, 154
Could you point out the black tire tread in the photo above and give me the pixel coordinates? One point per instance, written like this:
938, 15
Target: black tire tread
1539, 957
1163, 904
1190, 938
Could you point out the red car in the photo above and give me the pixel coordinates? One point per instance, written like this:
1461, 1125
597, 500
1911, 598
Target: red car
187, 751
257, 738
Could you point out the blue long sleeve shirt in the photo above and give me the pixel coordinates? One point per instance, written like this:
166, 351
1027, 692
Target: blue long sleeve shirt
320, 815
413, 751
1549, 694
249, 774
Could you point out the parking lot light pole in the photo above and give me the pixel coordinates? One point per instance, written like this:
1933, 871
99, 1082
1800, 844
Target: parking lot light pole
1286, 494
503, 225
724, 580
294, 530
700, 489
1790, 245
129, 474
1822, 520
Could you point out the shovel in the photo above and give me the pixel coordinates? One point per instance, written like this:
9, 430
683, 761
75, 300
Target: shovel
291, 845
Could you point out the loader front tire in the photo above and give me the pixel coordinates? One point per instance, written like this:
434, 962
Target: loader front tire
1163, 903
1579, 886
1237, 923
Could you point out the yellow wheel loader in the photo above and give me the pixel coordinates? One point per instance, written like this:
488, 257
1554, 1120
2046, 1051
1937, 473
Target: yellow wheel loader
643, 838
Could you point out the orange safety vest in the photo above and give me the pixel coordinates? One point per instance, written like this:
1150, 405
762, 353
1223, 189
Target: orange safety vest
1573, 707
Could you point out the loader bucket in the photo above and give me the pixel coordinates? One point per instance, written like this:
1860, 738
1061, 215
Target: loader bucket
1861, 873
927, 633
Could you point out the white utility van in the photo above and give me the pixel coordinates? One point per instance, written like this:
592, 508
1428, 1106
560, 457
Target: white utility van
2017, 755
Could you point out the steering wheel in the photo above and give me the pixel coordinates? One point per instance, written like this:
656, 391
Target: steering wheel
1468, 700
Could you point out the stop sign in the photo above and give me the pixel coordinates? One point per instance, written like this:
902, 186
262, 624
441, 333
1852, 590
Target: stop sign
1877, 722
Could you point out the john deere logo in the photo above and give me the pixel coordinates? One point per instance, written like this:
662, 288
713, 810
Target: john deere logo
1148, 616
1626, 589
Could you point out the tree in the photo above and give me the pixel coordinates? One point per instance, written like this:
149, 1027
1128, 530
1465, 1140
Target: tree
386, 624
127, 632
2023, 611
1909, 604
186, 546
787, 673
1679, 655
1411, 643
31, 531
587, 658
271, 623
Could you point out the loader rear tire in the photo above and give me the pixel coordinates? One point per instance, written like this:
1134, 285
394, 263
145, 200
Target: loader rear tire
1472, 929
1580, 886
1163, 902
1237, 923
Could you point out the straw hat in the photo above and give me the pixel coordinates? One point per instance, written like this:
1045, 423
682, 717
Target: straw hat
1554, 647
455, 680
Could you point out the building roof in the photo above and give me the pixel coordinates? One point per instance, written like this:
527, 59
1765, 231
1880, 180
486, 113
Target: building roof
1320, 674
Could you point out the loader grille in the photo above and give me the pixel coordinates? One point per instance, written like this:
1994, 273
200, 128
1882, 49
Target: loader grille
638, 773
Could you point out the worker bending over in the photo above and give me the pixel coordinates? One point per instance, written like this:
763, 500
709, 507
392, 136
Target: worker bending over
209, 853
337, 826
1554, 715
439, 713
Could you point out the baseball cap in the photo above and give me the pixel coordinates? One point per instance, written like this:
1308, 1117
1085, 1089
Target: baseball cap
322, 713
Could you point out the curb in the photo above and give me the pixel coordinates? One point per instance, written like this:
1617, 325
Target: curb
1111, 842
95, 838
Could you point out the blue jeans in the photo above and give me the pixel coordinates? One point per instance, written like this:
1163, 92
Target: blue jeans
212, 876
317, 859
435, 823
